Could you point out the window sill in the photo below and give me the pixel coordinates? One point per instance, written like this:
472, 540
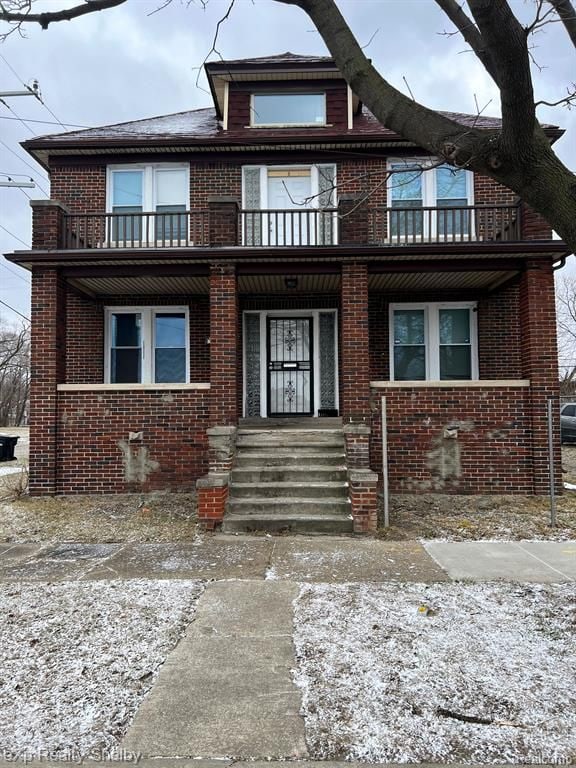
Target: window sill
451, 384
130, 387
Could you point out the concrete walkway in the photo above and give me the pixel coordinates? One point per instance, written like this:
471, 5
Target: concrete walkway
226, 689
295, 559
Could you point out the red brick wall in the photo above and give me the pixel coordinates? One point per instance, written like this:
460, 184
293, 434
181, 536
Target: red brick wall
91, 426
85, 337
81, 188
490, 452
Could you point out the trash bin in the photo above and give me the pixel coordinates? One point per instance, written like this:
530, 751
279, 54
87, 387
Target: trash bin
7, 445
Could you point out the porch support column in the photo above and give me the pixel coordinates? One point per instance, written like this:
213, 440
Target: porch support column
48, 341
540, 365
355, 372
213, 488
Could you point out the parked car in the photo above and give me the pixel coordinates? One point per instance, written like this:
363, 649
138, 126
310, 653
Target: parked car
568, 423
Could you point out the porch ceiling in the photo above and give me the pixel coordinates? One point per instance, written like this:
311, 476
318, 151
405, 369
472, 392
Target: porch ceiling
182, 285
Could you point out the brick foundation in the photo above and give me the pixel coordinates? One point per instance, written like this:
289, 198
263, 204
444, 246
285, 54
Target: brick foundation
133, 440
455, 439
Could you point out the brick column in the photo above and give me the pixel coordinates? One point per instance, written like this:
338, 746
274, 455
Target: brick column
47, 224
223, 221
223, 345
48, 313
533, 226
540, 364
355, 370
352, 221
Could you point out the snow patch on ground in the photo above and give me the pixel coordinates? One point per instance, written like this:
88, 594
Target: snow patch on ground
387, 671
76, 659
570, 486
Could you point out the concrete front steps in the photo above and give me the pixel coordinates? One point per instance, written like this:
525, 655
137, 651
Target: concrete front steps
289, 478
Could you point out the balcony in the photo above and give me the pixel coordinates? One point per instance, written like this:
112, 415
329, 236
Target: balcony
223, 224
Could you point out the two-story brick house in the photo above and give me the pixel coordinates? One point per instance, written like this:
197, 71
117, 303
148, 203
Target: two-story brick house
199, 277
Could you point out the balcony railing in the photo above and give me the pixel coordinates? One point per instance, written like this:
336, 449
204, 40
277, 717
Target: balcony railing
469, 224
300, 227
136, 230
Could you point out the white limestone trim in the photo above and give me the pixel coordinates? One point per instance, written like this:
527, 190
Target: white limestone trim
129, 387
452, 384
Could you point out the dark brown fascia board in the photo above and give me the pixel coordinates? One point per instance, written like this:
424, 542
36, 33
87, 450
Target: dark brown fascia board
546, 248
224, 67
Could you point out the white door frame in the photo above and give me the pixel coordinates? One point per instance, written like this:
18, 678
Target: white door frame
315, 315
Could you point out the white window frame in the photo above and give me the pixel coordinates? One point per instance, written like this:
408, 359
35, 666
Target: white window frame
429, 196
148, 339
432, 335
149, 199
323, 124
314, 190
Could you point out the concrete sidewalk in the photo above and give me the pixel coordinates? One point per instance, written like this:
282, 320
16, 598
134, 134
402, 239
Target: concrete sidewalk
296, 559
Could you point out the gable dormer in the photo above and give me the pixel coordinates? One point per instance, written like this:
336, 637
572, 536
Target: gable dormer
286, 92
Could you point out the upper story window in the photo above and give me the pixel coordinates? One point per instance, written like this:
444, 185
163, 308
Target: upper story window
146, 345
433, 342
288, 109
414, 190
160, 190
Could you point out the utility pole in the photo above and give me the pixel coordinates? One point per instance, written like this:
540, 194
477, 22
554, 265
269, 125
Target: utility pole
31, 90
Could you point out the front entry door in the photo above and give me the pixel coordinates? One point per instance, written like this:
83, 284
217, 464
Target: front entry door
290, 358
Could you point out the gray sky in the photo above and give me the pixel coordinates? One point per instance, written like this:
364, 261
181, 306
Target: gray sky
124, 64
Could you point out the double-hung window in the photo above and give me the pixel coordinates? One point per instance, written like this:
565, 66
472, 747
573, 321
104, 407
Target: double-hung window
149, 203
433, 341
429, 203
147, 345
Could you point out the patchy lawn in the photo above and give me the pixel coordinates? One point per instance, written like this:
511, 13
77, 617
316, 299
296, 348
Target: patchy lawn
78, 658
126, 517
437, 516
400, 673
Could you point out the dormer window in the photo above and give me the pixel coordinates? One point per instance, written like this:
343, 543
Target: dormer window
288, 109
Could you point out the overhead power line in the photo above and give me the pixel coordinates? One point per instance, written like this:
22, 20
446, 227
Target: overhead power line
42, 122
15, 238
22, 160
14, 310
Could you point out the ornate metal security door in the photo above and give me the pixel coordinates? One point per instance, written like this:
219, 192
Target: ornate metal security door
290, 366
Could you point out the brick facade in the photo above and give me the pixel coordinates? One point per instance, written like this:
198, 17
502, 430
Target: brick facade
131, 441
455, 439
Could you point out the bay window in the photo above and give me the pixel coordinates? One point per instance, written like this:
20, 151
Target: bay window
159, 190
147, 345
433, 341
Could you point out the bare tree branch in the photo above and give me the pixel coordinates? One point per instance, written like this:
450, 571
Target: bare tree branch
567, 13
47, 17
470, 33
